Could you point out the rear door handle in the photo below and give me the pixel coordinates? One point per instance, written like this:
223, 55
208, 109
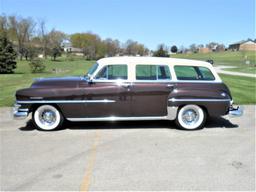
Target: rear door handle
169, 85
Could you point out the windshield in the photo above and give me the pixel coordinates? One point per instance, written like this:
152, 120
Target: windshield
92, 70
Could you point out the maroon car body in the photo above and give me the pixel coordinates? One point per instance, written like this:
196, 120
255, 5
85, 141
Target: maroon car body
129, 88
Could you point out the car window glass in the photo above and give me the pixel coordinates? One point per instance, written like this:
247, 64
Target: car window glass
193, 73
163, 72
92, 69
146, 72
112, 72
206, 73
152, 72
185, 73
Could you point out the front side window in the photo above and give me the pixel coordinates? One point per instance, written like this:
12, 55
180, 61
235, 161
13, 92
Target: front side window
113, 72
193, 73
152, 72
92, 69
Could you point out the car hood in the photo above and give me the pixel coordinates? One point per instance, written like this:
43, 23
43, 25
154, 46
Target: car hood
57, 82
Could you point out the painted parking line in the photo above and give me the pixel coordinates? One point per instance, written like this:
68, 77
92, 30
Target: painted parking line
90, 165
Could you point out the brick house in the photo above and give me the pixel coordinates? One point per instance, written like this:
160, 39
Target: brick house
247, 45
203, 50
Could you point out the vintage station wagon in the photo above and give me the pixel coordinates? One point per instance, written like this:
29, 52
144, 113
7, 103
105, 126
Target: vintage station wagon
129, 88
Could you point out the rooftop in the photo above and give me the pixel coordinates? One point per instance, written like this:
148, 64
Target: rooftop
151, 60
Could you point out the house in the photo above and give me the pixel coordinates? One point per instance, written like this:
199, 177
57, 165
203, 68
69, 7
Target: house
68, 48
203, 50
247, 45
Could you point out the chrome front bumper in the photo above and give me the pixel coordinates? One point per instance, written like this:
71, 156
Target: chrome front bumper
235, 112
19, 113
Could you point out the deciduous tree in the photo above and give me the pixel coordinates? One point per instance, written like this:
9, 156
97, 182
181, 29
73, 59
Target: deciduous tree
20, 30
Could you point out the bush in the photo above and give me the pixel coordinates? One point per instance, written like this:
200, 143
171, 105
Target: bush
37, 66
7, 56
55, 52
70, 57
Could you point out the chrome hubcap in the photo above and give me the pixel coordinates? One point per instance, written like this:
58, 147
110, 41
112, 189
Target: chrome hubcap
190, 117
48, 117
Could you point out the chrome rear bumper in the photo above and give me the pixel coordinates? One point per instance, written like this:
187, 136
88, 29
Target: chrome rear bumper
19, 113
235, 112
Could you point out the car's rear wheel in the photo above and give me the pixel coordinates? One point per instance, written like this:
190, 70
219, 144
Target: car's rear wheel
47, 118
191, 117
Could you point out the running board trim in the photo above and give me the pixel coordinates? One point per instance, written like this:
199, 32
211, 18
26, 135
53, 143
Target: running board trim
114, 118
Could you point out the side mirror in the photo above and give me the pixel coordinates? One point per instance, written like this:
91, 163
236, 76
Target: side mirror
90, 80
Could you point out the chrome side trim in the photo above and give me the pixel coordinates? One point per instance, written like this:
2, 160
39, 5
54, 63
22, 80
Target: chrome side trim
154, 81
114, 118
117, 81
176, 81
198, 81
67, 101
199, 100
24, 110
172, 113
157, 81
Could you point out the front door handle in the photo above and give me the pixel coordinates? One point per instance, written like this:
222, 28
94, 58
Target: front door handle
126, 85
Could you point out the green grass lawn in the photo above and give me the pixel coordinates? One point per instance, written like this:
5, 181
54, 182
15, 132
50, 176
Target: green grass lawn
23, 78
242, 88
226, 58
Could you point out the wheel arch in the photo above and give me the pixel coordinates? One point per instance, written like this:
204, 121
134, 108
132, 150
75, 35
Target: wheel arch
36, 105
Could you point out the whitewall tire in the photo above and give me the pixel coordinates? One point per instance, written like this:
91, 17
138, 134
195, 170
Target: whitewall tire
47, 118
191, 117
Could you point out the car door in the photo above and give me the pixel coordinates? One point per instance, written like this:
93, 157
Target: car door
150, 90
109, 93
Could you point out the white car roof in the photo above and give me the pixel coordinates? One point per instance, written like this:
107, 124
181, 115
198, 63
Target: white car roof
132, 61
151, 60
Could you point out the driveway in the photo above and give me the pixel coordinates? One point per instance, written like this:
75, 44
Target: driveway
219, 69
128, 156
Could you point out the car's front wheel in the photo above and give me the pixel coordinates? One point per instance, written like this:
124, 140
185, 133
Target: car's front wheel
47, 118
191, 117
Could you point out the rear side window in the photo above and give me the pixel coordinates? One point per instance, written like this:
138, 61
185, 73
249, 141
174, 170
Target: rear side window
152, 72
193, 73
206, 73
112, 72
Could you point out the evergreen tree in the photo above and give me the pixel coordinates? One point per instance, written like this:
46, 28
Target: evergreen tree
7, 56
174, 49
161, 51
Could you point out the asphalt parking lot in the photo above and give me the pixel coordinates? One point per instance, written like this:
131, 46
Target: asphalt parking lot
128, 155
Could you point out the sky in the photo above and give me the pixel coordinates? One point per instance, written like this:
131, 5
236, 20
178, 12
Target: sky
151, 22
